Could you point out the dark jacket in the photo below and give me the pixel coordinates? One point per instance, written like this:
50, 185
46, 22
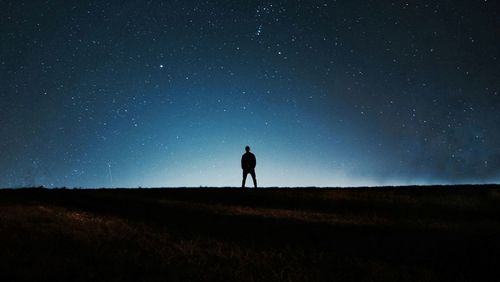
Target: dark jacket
248, 161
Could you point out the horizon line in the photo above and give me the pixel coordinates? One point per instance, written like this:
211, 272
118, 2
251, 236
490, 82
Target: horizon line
264, 187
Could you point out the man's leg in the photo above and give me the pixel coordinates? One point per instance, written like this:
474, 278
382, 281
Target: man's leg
254, 178
244, 179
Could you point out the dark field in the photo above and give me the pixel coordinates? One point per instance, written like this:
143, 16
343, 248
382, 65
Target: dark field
446, 233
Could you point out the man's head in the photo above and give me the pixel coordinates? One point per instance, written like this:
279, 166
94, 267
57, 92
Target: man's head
247, 148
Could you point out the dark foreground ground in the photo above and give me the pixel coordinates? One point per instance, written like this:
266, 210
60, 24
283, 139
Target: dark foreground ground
374, 234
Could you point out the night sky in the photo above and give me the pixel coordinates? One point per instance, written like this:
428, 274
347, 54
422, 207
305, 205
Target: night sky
326, 93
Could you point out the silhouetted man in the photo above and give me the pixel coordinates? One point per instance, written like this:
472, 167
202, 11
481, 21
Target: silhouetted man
248, 163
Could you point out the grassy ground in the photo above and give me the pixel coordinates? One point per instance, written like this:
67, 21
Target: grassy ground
372, 234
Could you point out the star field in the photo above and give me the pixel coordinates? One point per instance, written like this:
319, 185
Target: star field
326, 93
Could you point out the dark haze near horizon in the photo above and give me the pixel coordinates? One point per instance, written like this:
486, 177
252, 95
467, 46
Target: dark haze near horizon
327, 93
